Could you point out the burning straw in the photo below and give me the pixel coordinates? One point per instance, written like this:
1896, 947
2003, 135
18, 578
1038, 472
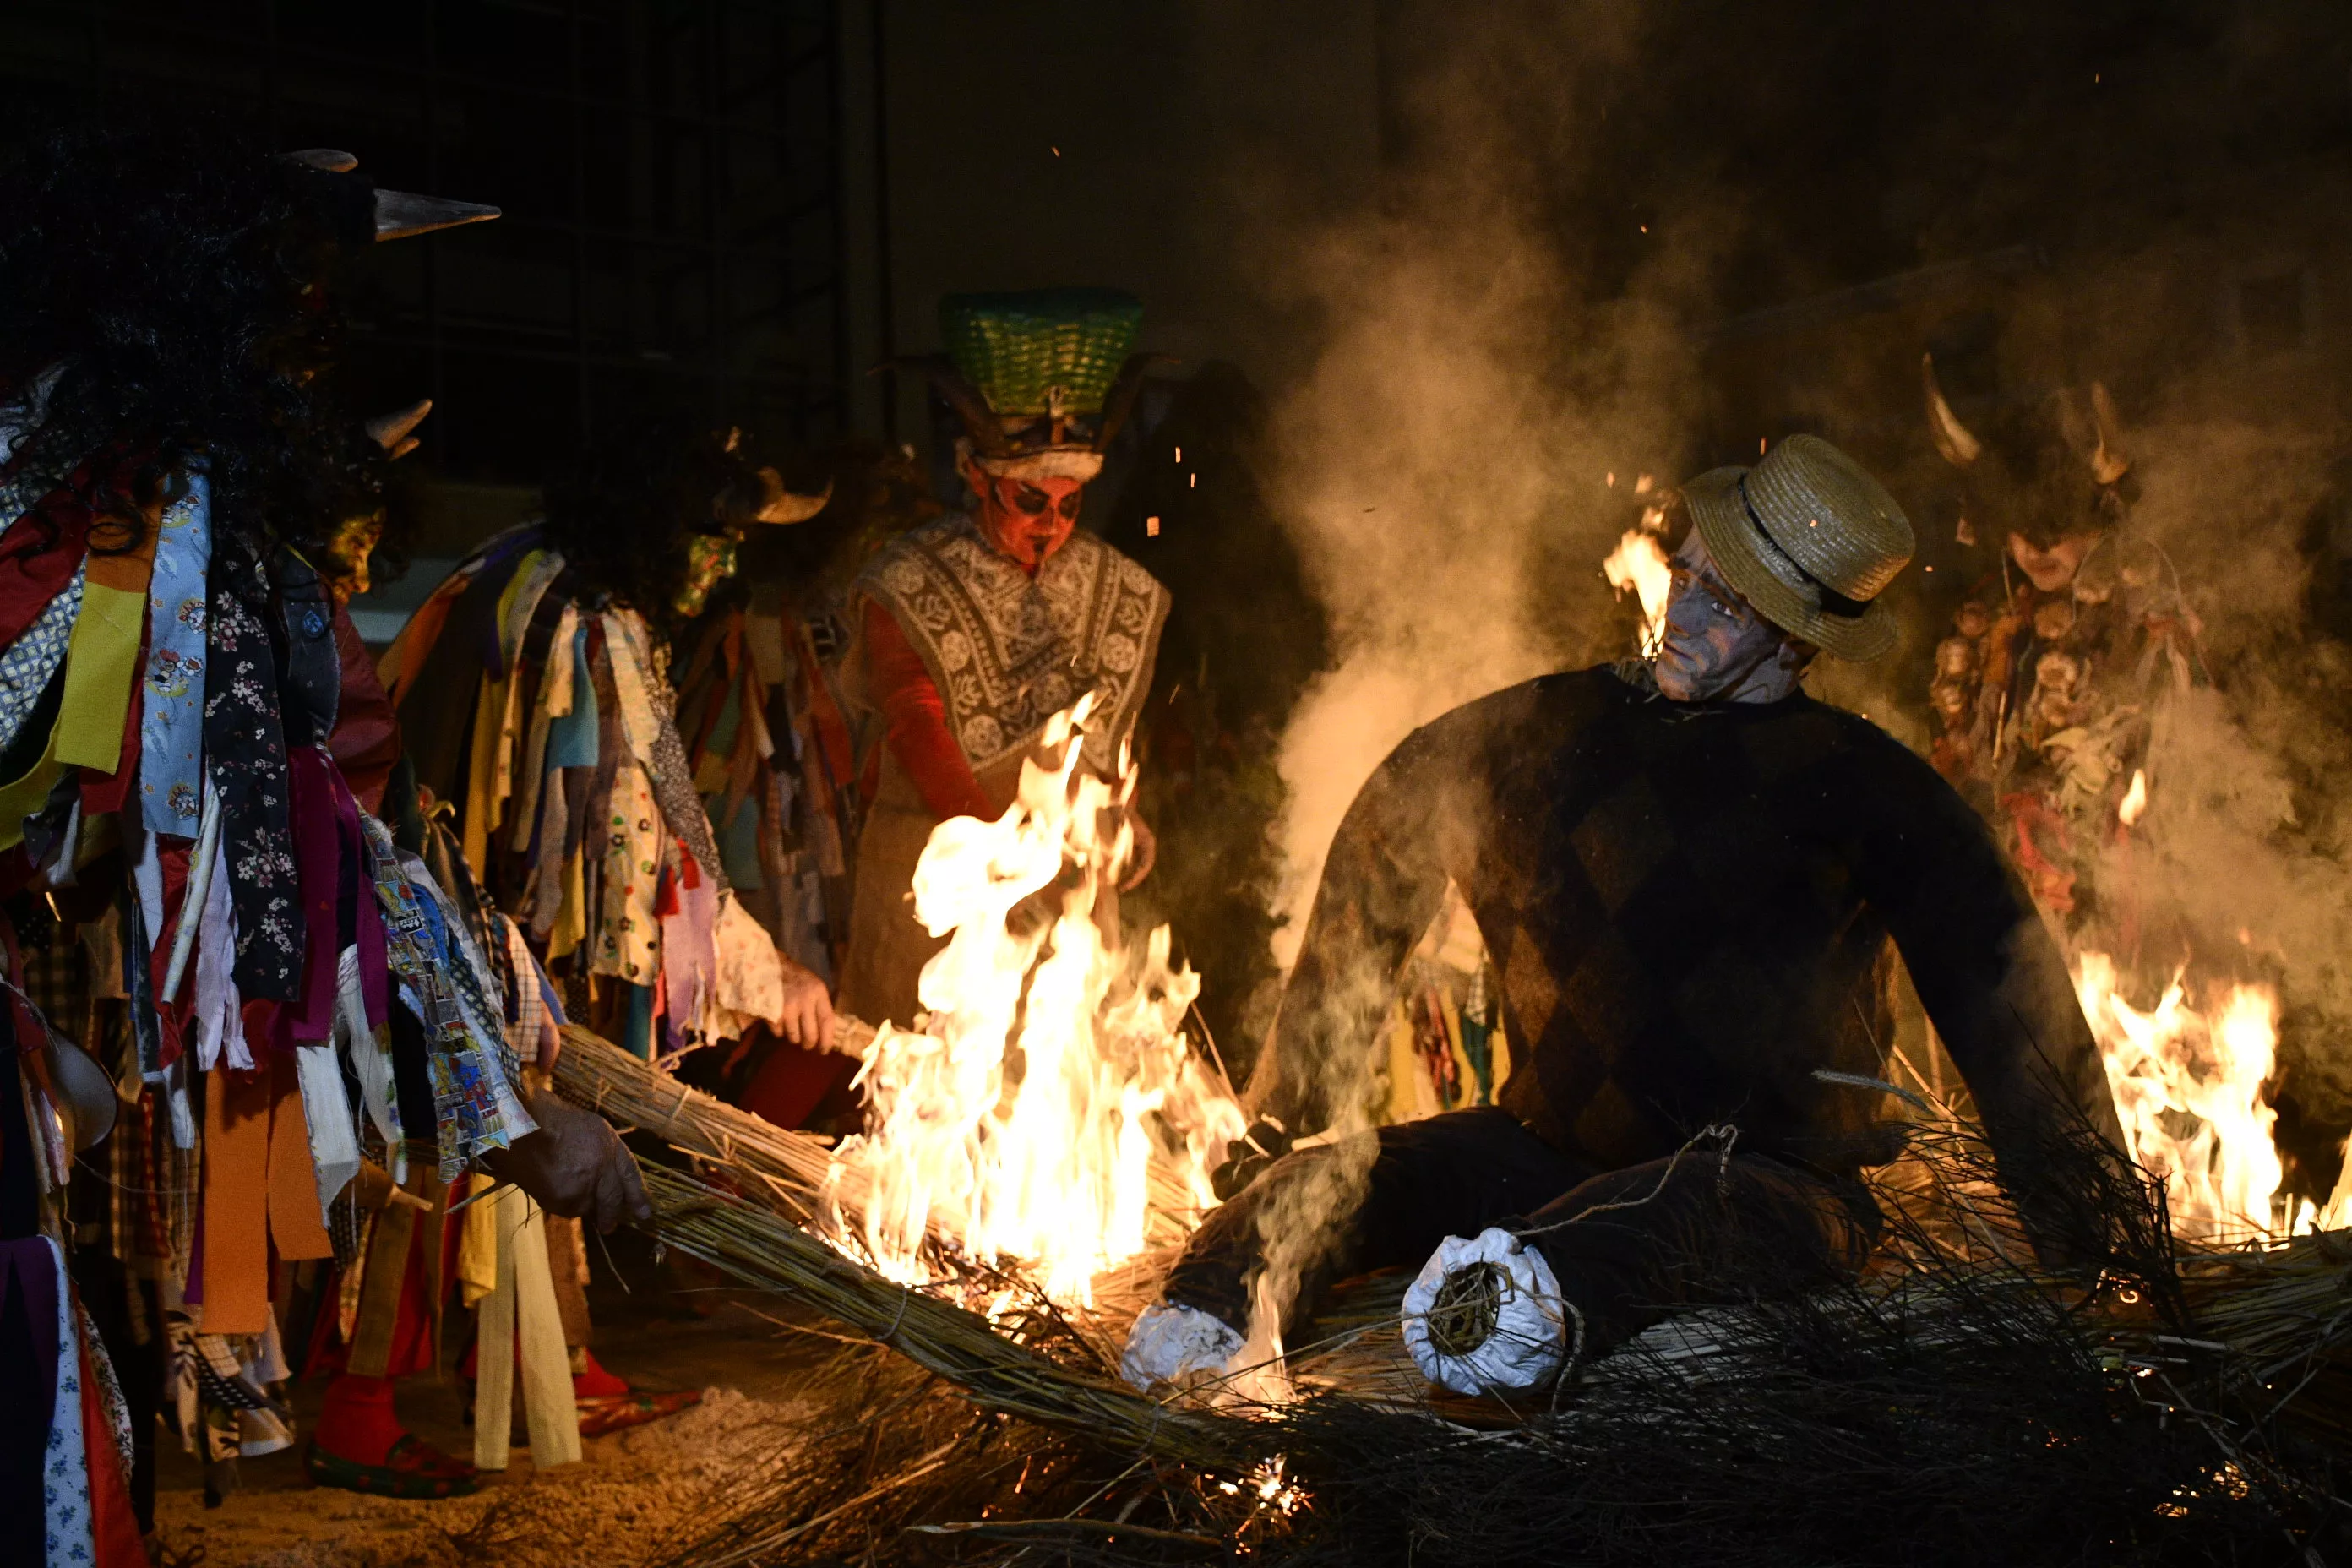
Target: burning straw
1953, 1405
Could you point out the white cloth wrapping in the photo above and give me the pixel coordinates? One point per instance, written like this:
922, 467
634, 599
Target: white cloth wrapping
1169, 1340
520, 1316
1531, 1337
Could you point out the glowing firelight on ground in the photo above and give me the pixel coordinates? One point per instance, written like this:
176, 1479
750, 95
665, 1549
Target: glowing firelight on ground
1046, 1111
2190, 1091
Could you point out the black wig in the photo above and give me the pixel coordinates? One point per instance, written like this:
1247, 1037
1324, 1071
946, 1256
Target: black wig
181, 280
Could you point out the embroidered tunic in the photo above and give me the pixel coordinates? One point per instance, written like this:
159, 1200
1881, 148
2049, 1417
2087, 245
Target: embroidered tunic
1008, 651
968, 655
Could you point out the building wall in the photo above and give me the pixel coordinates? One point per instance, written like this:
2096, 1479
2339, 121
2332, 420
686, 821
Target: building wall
1160, 148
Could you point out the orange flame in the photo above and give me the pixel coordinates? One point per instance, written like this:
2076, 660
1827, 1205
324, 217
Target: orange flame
1046, 1109
2190, 1091
1639, 563
2135, 801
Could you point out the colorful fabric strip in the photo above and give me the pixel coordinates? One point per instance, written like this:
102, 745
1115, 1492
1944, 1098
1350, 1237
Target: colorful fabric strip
245, 755
102, 661
29, 663
171, 724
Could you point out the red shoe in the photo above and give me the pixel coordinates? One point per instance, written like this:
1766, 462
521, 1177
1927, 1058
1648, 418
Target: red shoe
414, 1468
611, 1412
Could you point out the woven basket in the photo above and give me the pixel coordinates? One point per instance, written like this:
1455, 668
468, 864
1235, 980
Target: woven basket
1015, 348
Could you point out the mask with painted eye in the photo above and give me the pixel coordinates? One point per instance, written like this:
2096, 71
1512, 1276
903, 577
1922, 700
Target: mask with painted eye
710, 559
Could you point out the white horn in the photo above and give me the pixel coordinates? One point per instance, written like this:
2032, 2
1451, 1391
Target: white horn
1952, 438
2109, 461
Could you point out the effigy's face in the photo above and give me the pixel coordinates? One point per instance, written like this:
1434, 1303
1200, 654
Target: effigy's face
1026, 519
1713, 638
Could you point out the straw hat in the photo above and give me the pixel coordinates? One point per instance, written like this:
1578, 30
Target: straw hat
1810, 539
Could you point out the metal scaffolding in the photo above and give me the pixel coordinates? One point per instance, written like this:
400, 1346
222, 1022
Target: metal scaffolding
669, 169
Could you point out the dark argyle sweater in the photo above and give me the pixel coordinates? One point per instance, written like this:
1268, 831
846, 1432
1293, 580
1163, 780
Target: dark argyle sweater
1687, 905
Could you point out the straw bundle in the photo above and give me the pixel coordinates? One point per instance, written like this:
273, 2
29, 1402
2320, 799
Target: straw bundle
764, 1250
787, 1170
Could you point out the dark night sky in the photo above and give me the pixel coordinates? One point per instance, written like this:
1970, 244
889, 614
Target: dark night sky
1854, 141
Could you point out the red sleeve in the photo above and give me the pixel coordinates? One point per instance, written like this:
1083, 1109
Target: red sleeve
918, 735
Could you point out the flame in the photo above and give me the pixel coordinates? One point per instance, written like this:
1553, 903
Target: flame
2188, 1090
2134, 799
1639, 563
1047, 1110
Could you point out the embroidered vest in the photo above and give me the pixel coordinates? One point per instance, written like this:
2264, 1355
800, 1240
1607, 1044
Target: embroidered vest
1007, 650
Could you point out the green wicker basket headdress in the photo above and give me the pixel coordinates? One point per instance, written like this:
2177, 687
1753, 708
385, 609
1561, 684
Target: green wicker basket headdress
1044, 352
1041, 379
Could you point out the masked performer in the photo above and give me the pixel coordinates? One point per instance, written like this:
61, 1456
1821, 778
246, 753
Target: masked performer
539, 716
189, 777
979, 627
764, 719
1685, 871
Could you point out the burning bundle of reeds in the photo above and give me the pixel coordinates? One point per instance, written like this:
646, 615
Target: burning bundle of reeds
1954, 1405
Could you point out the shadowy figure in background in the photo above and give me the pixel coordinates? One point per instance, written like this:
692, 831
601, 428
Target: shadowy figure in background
781, 784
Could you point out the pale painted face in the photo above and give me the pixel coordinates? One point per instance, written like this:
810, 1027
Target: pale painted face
1716, 645
1025, 520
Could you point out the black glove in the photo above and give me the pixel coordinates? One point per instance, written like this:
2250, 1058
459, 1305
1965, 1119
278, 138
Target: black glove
1247, 1156
575, 1165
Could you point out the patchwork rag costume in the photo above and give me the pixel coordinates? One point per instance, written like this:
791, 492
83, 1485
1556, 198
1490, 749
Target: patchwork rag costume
2069, 646
963, 653
230, 989
540, 710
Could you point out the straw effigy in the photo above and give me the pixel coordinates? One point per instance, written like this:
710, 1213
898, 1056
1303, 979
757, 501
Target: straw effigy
1953, 1405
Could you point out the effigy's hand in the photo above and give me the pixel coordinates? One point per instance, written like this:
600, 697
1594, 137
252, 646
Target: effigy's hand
1247, 1156
809, 1020
574, 1166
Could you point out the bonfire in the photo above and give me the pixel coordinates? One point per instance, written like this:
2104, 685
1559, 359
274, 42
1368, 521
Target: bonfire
1041, 1140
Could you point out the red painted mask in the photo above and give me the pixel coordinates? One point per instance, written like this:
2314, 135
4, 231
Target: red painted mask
1025, 520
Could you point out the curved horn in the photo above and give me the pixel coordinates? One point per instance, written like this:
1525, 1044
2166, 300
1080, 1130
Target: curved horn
1952, 438
391, 431
327, 160
764, 499
2109, 461
400, 214
1121, 401
980, 421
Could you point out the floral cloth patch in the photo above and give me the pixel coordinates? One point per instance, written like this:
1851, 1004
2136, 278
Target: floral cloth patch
171, 720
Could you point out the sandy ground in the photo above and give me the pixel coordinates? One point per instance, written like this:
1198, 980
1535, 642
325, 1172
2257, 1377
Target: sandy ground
634, 1495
